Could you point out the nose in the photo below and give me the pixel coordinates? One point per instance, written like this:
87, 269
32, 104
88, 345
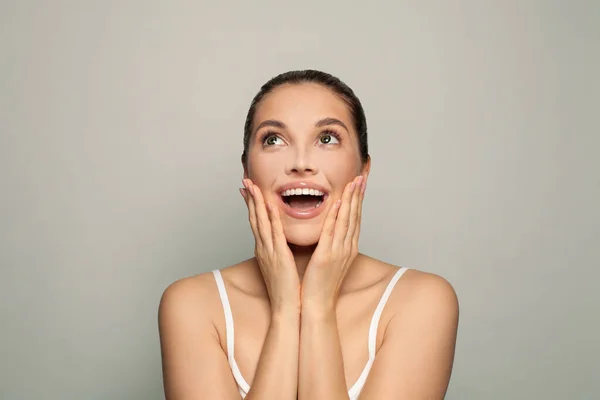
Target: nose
301, 164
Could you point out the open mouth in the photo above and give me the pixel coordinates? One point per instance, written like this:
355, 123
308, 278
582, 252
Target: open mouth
303, 199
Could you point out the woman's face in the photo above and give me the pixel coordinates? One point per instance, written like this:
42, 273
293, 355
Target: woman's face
303, 138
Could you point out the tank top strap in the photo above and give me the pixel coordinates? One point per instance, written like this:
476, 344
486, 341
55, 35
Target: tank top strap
243, 386
228, 315
379, 311
355, 390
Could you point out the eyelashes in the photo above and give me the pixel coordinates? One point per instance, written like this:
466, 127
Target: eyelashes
271, 134
266, 135
330, 133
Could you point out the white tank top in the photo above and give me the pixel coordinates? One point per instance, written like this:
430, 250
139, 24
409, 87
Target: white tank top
355, 390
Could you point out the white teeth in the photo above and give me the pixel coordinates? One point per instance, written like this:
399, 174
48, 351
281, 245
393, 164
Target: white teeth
303, 191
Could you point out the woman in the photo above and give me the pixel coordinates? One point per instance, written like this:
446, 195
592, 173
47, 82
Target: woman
314, 319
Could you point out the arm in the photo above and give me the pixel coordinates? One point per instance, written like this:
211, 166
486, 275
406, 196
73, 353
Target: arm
417, 352
321, 365
194, 364
321, 374
277, 370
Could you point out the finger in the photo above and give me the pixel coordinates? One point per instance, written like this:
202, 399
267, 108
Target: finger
359, 217
353, 213
252, 214
343, 218
364, 187
262, 218
276, 226
243, 192
329, 224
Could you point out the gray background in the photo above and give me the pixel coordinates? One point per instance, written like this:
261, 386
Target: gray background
121, 132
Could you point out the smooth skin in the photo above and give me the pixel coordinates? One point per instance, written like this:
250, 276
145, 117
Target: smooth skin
302, 312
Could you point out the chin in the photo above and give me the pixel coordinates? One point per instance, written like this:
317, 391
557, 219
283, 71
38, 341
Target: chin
303, 236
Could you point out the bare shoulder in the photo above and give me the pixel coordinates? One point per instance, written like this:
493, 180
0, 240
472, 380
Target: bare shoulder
424, 309
193, 359
416, 356
190, 295
197, 296
425, 289
417, 292
186, 310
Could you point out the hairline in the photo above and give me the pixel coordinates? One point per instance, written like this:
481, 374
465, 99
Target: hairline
347, 101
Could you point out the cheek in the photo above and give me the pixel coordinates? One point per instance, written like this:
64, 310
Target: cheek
263, 173
339, 169
258, 170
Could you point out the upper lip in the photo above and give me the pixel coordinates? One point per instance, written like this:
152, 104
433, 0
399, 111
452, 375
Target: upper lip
301, 185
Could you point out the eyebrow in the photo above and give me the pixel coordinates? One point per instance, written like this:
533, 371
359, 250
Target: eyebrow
270, 122
331, 121
321, 123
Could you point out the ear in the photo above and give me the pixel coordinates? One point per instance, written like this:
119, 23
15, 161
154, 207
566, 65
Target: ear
366, 168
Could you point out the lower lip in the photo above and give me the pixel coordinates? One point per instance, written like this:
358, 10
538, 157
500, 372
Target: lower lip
303, 214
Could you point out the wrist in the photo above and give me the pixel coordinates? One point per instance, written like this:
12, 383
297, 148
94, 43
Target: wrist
318, 311
286, 312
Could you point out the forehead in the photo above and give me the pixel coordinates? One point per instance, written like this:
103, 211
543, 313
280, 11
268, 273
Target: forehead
300, 105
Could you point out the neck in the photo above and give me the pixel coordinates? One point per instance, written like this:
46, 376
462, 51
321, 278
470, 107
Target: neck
302, 255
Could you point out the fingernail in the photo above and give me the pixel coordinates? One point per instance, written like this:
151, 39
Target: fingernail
359, 180
352, 186
251, 189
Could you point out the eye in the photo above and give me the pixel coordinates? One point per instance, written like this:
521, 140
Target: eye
329, 138
272, 140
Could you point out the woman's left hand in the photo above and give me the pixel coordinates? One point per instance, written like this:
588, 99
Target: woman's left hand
336, 251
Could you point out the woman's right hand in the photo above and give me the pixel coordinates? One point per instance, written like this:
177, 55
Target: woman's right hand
272, 252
